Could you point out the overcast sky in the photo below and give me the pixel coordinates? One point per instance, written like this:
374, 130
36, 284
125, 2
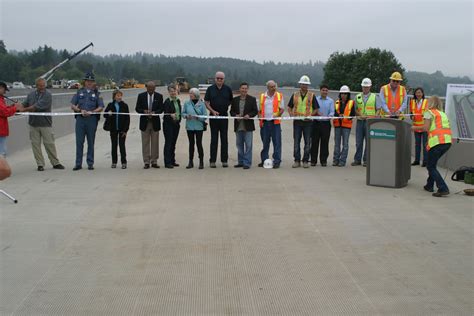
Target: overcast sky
423, 35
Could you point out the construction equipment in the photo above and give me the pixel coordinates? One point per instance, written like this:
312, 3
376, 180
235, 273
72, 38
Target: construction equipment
130, 84
182, 84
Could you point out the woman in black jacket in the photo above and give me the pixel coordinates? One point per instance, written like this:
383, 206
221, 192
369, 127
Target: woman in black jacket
118, 126
171, 124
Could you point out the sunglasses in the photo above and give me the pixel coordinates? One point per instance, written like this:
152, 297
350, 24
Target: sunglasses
219, 78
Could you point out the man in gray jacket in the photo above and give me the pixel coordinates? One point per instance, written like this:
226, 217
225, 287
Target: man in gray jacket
40, 100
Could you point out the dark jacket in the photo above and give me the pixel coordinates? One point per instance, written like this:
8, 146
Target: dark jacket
157, 108
250, 108
123, 120
168, 108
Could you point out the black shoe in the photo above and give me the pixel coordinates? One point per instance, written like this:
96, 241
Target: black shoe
90, 168
260, 165
124, 166
190, 165
59, 166
364, 164
146, 166
212, 165
169, 166
424, 164
415, 163
313, 164
225, 165
276, 166
238, 165
40, 168
201, 164
427, 188
154, 165
324, 164
246, 167
441, 193
175, 164
355, 163
76, 168
335, 164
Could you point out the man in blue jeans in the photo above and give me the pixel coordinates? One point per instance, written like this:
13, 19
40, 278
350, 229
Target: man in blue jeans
87, 103
243, 108
302, 106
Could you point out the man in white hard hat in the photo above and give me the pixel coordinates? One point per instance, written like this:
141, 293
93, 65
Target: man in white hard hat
365, 107
393, 97
302, 105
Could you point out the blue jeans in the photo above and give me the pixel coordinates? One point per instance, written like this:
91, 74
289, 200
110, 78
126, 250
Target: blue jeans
300, 130
341, 134
361, 137
271, 132
85, 128
420, 141
244, 147
433, 174
3, 146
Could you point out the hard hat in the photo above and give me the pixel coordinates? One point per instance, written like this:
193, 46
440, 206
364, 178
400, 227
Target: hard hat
345, 89
366, 82
396, 76
304, 80
268, 164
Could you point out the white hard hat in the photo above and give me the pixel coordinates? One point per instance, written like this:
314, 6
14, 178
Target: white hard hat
304, 80
366, 82
268, 164
345, 89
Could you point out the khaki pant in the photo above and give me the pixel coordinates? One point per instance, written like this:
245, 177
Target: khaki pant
150, 144
46, 134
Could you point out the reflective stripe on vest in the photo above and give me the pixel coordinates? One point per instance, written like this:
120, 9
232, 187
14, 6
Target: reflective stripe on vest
344, 122
394, 105
276, 107
367, 109
440, 131
303, 108
418, 113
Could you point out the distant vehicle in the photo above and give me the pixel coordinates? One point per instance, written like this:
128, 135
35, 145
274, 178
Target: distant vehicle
18, 85
59, 84
182, 84
210, 81
74, 85
131, 83
203, 87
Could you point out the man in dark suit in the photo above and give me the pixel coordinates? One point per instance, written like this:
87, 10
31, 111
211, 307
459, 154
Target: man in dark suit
150, 102
244, 107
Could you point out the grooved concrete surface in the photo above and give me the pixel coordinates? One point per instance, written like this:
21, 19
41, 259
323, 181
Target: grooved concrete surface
220, 241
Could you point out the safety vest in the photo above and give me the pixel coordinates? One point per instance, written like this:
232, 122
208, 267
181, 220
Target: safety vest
344, 122
440, 131
302, 106
367, 109
394, 104
417, 118
276, 107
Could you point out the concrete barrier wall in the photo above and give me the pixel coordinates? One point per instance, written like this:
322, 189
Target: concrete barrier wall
460, 154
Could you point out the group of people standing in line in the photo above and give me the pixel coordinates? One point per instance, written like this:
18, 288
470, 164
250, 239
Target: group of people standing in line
430, 124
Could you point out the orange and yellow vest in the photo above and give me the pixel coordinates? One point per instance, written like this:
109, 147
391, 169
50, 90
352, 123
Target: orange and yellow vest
276, 107
344, 122
302, 106
440, 131
393, 104
417, 117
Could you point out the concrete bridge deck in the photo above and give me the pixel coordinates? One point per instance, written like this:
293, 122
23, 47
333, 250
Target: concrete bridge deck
220, 241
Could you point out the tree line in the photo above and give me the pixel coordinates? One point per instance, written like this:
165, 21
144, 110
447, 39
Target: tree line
341, 68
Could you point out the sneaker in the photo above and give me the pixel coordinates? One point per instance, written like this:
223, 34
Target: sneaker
225, 165
124, 166
415, 163
305, 165
59, 166
296, 164
113, 166
355, 163
427, 188
238, 165
76, 168
40, 168
440, 193
212, 164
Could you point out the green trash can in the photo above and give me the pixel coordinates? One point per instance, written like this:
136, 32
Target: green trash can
388, 152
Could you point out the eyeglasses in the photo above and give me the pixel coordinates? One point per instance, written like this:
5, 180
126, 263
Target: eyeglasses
219, 78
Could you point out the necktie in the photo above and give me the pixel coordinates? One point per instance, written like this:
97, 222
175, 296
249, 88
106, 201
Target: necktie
150, 102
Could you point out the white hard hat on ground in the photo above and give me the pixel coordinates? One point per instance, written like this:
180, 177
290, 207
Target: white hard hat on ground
268, 164
304, 80
345, 89
366, 82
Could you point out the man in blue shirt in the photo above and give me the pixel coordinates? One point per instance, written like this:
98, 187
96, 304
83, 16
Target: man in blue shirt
322, 128
87, 103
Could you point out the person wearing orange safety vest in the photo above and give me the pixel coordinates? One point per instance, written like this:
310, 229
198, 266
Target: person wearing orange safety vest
436, 123
344, 108
418, 107
271, 107
393, 97
302, 105
365, 107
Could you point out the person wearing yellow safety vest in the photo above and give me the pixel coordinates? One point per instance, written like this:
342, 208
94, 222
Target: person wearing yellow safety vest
418, 107
436, 123
365, 107
302, 105
271, 107
345, 109
393, 97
